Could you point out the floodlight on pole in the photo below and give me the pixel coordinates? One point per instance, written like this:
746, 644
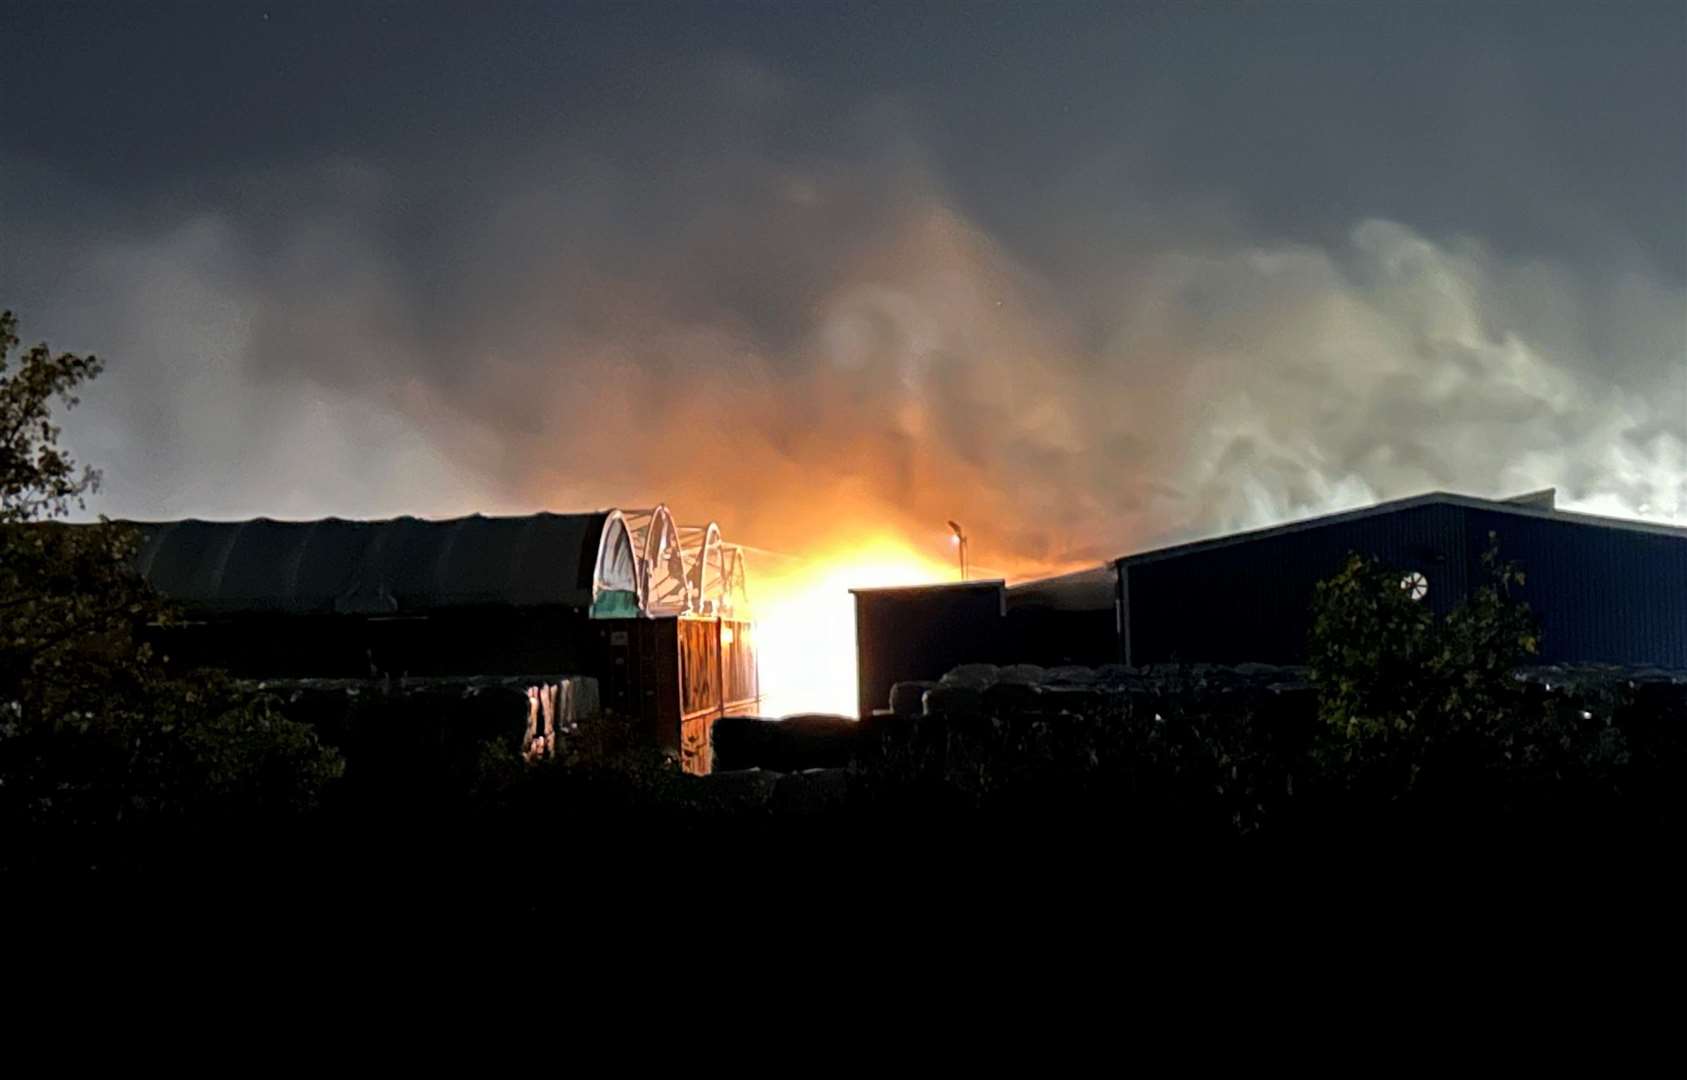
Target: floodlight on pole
958, 537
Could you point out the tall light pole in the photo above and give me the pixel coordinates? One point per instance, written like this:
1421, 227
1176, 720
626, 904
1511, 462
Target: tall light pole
958, 537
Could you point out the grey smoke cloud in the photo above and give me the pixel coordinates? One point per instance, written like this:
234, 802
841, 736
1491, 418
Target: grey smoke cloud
797, 336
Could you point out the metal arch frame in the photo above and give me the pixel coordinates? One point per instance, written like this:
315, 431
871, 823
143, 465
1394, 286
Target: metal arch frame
614, 522
719, 578
664, 584
735, 589
678, 569
703, 543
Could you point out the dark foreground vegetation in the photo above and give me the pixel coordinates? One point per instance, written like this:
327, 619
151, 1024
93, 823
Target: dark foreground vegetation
1410, 736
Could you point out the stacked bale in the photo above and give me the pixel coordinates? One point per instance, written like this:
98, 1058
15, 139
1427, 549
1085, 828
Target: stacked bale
985, 690
960, 693
1602, 677
908, 698
975, 676
975, 689
791, 744
1022, 674
1006, 698
948, 699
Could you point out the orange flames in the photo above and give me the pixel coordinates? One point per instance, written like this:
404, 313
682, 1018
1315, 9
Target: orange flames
805, 616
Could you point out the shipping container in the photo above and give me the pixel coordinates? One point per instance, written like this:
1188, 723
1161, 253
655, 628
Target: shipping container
920, 632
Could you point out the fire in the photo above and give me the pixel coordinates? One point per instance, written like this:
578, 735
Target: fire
805, 618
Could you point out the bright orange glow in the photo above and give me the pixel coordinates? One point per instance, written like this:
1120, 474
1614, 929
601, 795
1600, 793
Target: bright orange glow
805, 620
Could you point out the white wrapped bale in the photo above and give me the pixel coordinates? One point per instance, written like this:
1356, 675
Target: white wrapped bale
1008, 698
1071, 675
954, 700
908, 698
975, 676
1116, 674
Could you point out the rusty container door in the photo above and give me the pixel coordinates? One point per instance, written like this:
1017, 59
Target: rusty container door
740, 677
700, 689
639, 677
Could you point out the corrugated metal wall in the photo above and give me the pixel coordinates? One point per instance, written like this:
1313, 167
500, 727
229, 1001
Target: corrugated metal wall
920, 633
1251, 600
740, 677
1602, 594
1055, 638
1070, 619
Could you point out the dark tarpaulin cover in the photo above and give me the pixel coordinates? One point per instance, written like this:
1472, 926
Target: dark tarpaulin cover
403, 565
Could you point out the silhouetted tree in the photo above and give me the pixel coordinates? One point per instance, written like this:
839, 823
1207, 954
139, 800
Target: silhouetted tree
99, 745
1386, 666
1416, 702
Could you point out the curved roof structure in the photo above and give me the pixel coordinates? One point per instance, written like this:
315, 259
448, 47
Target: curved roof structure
373, 567
606, 562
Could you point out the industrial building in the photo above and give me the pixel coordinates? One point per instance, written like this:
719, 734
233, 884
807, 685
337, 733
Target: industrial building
655, 613
1605, 590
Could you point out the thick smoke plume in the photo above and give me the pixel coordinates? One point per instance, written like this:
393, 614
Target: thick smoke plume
814, 346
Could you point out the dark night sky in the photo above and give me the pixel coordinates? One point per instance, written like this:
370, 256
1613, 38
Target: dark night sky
1075, 270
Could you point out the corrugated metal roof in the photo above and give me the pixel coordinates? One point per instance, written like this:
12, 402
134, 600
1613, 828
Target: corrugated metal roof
1519, 509
403, 565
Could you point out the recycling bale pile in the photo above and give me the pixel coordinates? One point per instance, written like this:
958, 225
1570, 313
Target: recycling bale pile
986, 689
1181, 748
1664, 683
1148, 760
1160, 758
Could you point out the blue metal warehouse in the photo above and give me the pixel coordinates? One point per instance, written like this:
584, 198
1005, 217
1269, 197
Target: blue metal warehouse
1606, 590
